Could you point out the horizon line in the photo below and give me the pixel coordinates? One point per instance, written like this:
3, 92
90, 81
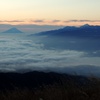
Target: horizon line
49, 24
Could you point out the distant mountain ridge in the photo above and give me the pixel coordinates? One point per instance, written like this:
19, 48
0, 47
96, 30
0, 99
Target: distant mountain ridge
82, 31
13, 30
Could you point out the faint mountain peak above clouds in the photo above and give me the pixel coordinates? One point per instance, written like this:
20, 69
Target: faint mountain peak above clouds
86, 25
68, 28
75, 27
13, 30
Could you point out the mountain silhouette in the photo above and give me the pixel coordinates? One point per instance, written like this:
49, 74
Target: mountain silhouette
13, 30
36, 79
72, 31
85, 26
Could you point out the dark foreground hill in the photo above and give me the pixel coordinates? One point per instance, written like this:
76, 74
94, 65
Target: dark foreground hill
37, 79
48, 86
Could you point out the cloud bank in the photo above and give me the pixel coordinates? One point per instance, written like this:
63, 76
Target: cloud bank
24, 54
51, 22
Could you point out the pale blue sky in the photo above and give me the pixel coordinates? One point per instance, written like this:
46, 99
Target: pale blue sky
49, 10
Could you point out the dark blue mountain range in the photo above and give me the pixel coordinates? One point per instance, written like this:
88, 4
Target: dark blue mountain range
84, 38
72, 31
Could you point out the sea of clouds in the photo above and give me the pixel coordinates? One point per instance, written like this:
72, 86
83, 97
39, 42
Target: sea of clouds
21, 53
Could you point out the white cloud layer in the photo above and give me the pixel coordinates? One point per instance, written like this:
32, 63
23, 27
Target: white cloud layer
19, 53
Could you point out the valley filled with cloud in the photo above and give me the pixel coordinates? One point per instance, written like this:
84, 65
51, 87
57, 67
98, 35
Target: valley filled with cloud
23, 53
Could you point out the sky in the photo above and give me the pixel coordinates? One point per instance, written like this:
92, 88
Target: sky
50, 12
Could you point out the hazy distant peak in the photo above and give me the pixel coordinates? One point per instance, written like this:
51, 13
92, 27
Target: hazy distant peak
13, 30
85, 25
70, 28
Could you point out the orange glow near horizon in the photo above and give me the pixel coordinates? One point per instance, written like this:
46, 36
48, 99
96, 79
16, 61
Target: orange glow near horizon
49, 22
50, 12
